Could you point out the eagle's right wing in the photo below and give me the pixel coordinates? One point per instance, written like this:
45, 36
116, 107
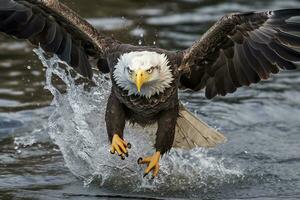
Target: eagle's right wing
57, 29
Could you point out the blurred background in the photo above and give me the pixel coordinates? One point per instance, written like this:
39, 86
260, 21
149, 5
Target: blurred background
262, 123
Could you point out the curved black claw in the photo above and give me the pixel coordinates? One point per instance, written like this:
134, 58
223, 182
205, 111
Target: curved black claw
139, 160
122, 157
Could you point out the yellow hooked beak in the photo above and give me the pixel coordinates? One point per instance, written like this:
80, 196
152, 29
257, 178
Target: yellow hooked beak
140, 78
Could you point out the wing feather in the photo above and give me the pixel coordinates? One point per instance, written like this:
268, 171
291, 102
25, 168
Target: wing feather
57, 29
233, 73
242, 49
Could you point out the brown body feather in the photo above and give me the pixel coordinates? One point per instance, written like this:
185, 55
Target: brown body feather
162, 108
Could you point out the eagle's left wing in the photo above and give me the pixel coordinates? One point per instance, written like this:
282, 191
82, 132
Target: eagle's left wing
241, 49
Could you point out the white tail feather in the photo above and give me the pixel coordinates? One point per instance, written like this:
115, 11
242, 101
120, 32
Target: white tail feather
191, 132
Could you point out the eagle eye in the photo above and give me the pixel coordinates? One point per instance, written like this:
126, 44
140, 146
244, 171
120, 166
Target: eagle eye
129, 70
150, 70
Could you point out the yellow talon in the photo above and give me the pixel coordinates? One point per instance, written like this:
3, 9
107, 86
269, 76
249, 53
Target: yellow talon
120, 146
152, 163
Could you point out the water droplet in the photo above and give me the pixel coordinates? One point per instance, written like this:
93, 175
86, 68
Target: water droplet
154, 42
140, 42
19, 151
28, 67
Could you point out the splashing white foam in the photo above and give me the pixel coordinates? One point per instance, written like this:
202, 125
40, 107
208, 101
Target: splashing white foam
77, 126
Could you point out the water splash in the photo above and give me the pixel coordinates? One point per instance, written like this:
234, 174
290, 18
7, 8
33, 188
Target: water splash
140, 42
77, 126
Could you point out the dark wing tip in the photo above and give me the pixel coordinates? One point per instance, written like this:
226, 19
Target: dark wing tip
286, 13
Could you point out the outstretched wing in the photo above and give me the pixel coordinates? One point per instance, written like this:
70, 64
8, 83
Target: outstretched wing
57, 29
241, 49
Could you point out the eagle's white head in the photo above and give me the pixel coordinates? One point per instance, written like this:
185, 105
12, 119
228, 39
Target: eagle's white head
143, 73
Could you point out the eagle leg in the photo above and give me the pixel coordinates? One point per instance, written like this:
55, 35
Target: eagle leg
164, 140
120, 146
152, 164
115, 123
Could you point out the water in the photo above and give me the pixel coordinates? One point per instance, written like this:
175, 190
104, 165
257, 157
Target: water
53, 142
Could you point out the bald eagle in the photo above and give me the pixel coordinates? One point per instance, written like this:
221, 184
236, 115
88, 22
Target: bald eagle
240, 49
